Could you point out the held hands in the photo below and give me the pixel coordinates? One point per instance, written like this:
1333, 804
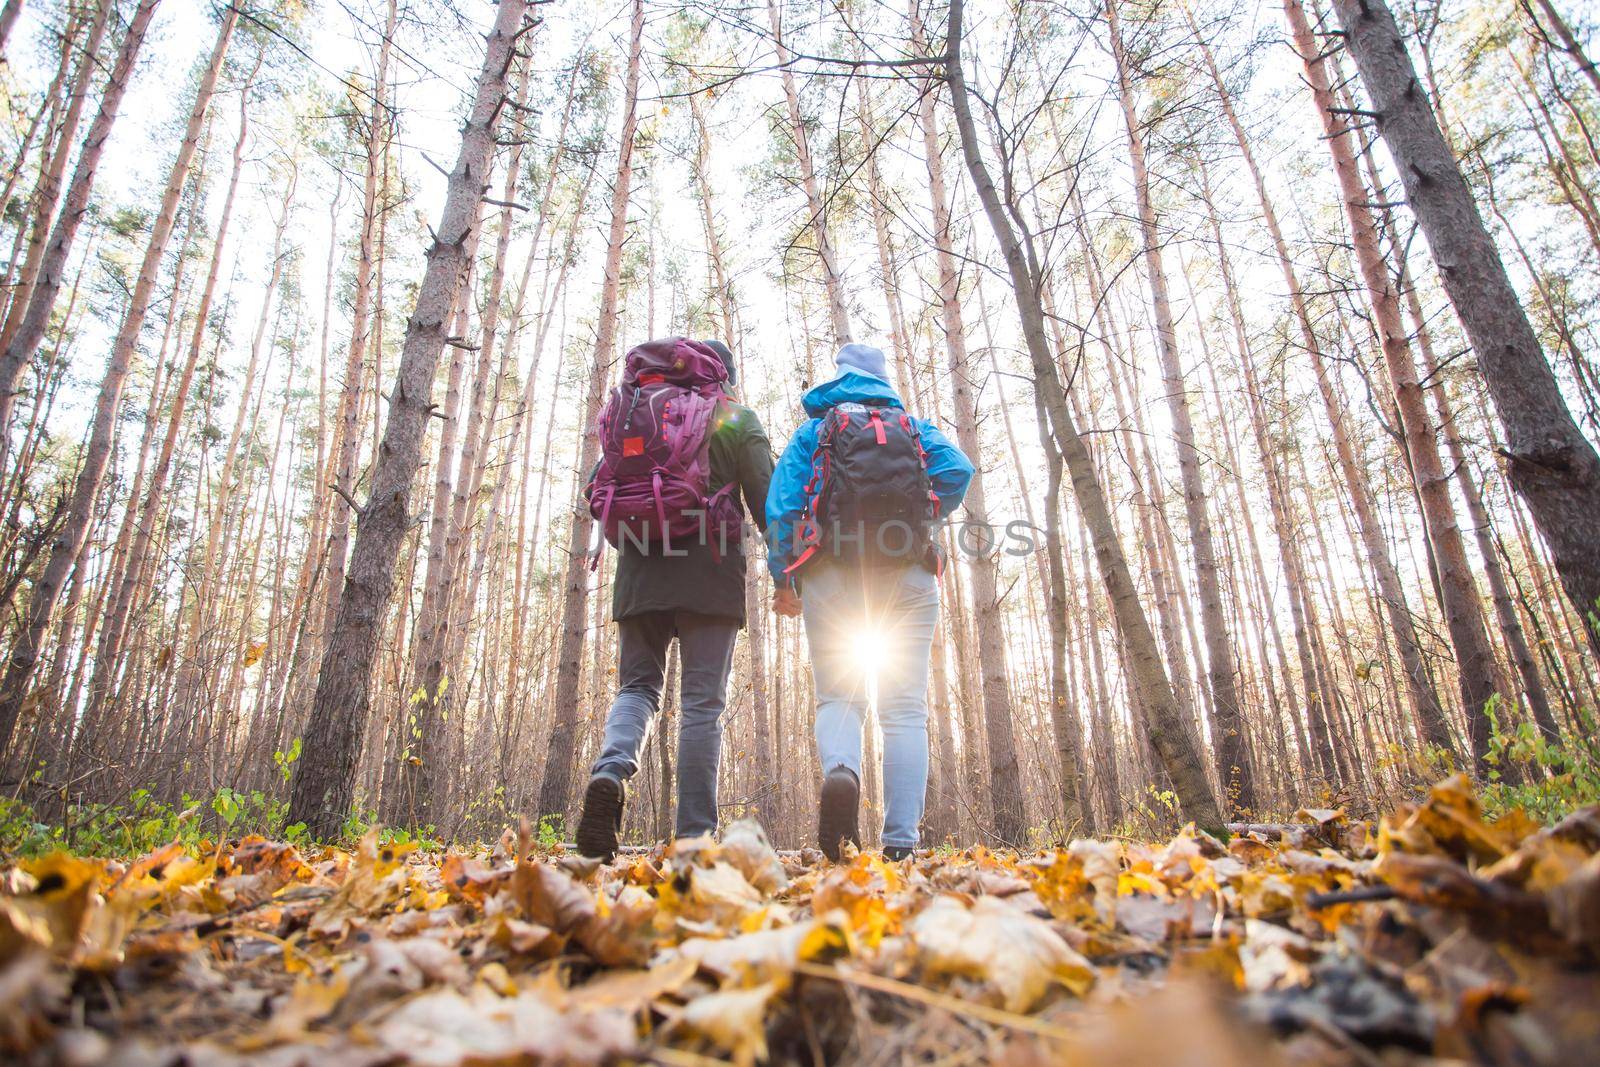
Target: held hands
786, 602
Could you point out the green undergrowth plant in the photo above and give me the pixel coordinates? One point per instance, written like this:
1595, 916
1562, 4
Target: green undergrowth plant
1558, 777
144, 821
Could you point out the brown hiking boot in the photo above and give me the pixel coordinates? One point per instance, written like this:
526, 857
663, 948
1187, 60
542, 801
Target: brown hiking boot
601, 820
836, 821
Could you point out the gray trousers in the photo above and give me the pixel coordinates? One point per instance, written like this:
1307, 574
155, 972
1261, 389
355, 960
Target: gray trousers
705, 651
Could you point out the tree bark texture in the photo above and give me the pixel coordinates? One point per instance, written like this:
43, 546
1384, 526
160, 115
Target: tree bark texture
324, 779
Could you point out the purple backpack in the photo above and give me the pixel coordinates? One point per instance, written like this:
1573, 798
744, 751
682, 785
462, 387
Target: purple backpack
655, 467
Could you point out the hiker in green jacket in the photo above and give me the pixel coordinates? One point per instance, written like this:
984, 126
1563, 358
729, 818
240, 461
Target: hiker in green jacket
682, 464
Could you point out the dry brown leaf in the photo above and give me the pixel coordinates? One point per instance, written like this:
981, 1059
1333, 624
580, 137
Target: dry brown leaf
622, 931
769, 953
632, 990
1575, 906
734, 1021
471, 880
445, 1028
719, 894
310, 1001
1013, 956
550, 898
375, 880
745, 846
52, 911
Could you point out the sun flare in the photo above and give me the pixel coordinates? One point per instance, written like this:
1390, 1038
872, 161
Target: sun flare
869, 647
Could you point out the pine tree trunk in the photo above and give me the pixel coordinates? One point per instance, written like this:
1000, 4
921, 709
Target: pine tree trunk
1233, 758
192, 680
154, 492
8, 20
415, 773
47, 191
97, 454
832, 279
556, 789
1569, 43
1163, 720
899, 339
1427, 710
1499, 588
324, 780
1551, 464
1458, 593
1004, 771
347, 430
52, 269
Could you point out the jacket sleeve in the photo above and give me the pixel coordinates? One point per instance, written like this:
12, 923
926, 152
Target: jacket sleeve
786, 498
949, 469
755, 467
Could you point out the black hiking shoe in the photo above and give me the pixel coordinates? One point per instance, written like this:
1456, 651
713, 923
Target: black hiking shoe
896, 853
601, 821
836, 822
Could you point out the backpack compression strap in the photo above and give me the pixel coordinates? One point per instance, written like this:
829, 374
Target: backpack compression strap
810, 532
922, 455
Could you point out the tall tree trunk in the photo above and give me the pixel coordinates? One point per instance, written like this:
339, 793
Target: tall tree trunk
47, 190
755, 609
1163, 719
97, 453
832, 279
1458, 592
1426, 708
324, 780
1461, 466
1004, 772
1233, 757
555, 791
1569, 41
347, 428
52, 269
416, 774
42, 121
8, 20
899, 338
1551, 464
154, 492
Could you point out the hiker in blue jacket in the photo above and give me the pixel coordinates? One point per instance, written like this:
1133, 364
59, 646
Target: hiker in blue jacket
867, 588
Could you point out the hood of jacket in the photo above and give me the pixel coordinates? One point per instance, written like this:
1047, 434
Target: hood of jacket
850, 386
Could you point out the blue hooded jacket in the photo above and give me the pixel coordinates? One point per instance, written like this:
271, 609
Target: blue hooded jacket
948, 469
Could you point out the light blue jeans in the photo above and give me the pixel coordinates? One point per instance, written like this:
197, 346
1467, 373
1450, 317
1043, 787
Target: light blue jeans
872, 628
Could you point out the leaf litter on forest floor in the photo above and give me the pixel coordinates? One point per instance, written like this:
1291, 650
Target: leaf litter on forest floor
1437, 934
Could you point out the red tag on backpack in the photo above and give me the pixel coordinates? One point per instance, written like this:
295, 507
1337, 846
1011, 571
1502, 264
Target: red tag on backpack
633, 446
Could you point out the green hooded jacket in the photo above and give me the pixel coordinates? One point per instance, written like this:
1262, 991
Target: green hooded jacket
692, 578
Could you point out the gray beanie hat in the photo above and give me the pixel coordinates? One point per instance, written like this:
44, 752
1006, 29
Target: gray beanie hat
863, 358
725, 354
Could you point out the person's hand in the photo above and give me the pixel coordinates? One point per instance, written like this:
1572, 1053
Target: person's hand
786, 602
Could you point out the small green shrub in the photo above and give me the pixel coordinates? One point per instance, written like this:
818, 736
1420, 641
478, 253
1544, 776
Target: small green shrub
1561, 776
